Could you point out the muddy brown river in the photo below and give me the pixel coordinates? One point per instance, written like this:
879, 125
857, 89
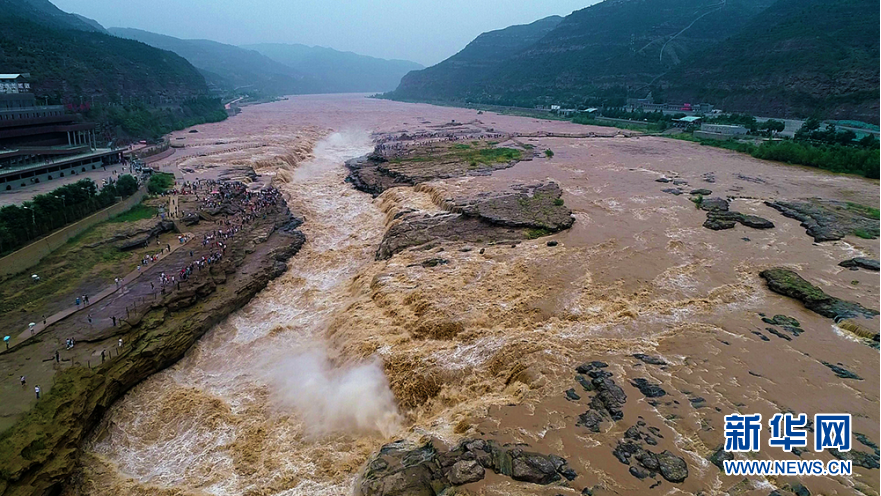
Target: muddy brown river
292, 394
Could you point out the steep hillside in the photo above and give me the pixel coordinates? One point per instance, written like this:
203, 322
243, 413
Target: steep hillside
798, 58
601, 50
473, 65
229, 67
132, 89
339, 72
68, 64
45, 13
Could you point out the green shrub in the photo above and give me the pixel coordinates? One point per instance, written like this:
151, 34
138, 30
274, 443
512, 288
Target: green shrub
160, 182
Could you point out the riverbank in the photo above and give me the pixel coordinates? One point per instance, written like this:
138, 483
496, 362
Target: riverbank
242, 240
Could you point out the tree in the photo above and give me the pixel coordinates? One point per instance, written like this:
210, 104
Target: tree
126, 185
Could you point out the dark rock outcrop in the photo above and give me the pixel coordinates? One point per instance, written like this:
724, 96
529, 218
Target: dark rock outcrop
788, 283
647, 388
671, 467
402, 468
860, 262
609, 400
650, 359
143, 239
714, 204
829, 220
718, 220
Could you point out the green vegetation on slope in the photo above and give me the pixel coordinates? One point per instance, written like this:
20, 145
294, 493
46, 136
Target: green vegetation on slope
125, 85
593, 54
142, 120
784, 58
798, 58
136, 213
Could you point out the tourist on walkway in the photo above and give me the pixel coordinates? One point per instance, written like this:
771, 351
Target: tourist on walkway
37, 390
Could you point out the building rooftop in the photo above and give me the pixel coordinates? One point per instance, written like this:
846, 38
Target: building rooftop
691, 118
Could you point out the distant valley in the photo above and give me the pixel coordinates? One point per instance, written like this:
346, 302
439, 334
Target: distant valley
280, 69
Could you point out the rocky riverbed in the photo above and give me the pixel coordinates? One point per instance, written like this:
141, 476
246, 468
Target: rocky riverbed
451, 321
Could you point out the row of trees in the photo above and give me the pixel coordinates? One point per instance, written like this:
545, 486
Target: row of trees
837, 158
810, 131
20, 224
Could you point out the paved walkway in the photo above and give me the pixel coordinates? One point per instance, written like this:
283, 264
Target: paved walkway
93, 299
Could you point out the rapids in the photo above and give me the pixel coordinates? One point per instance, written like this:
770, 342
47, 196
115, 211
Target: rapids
210, 422
291, 394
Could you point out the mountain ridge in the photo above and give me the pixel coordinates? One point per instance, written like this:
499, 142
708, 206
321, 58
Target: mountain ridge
228, 67
619, 49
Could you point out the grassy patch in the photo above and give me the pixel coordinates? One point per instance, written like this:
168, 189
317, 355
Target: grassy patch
872, 213
537, 233
138, 212
160, 182
862, 233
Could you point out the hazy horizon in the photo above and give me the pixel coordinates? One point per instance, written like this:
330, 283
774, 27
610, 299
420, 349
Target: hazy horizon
419, 31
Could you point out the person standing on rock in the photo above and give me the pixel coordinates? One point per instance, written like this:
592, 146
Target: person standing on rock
102, 356
23, 382
120, 343
37, 391
58, 356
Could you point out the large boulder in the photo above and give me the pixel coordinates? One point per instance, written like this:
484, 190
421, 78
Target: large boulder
403, 468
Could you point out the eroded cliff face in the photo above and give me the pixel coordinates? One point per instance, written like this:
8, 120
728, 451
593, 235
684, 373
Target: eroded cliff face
41, 450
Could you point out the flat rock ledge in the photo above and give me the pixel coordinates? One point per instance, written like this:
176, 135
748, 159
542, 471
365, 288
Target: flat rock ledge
788, 283
524, 212
829, 220
403, 468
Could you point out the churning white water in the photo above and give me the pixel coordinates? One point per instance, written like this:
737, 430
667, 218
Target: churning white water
256, 401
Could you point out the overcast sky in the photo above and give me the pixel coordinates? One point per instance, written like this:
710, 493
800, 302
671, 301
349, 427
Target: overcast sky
425, 31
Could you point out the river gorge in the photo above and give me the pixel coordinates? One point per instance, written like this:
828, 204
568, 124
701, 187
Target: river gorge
476, 329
